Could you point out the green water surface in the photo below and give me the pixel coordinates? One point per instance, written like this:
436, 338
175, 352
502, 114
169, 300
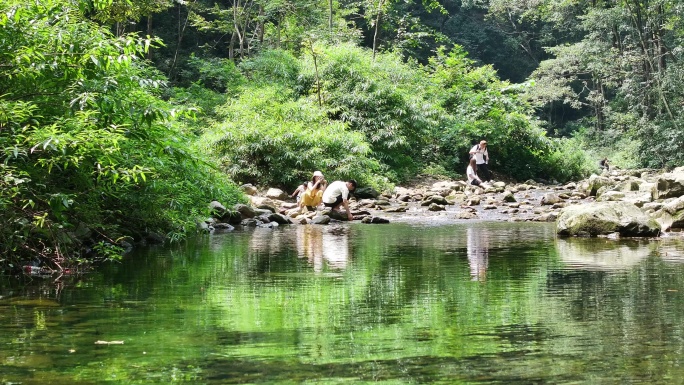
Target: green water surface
494, 303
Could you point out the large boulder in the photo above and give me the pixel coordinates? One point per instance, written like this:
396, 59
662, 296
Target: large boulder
669, 185
671, 215
365, 193
595, 182
603, 218
245, 211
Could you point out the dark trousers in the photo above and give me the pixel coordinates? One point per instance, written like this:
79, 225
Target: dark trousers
337, 202
483, 172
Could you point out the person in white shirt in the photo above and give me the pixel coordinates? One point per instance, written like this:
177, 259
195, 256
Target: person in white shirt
481, 155
471, 173
337, 193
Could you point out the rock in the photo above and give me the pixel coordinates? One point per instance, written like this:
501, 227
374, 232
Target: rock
302, 220
550, 199
547, 217
248, 189
153, 237
396, 209
669, 185
276, 193
249, 222
278, 218
245, 211
508, 197
223, 227
263, 212
404, 198
320, 220
671, 215
434, 199
265, 207
365, 192
367, 202
605, 218
489, 207
269, 225
466, 215
596, 182
473, 201
610, 196
382, 202
630, 185
436, 207
217, 209
260, 201
374, 220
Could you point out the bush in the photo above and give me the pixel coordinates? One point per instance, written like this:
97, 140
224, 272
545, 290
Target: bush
269, 138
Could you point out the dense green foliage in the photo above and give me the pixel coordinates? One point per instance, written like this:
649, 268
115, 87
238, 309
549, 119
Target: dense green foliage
124, 117
90, 151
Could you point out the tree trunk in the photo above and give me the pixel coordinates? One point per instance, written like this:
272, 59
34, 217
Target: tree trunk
377, 27
149, 33
330, 16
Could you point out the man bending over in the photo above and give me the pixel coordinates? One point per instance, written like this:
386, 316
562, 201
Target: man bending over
337, 193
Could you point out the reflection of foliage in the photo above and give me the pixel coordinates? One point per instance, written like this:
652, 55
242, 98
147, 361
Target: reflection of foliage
405, 309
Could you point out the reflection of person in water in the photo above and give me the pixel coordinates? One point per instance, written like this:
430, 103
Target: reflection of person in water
318, 244
478, 253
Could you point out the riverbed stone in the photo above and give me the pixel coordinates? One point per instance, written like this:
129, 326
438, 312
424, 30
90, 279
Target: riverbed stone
606, 217
217, 209
395, 209
434, 199
279, 218
669, 185
550, 199
595, 182
248, 189
436, 207
320, 220
276, 193
473, 200
465, 214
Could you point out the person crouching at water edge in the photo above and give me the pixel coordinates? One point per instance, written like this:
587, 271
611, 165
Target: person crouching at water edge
471, 173
314, 191
338, 194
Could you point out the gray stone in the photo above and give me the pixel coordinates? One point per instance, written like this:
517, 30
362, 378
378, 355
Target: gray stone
278, 218
248, 189
245, 211
550, 199
604, 218
669, 185
320, 220
276, 193
508, 196
436, 207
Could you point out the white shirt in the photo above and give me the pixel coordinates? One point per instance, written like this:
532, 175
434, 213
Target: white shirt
334, 190
479, 154
471, 174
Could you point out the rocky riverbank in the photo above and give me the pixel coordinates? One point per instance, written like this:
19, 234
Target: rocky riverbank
616, 203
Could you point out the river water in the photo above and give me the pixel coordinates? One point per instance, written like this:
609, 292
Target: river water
494, 303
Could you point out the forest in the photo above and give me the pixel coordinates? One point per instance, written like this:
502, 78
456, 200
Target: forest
121, 118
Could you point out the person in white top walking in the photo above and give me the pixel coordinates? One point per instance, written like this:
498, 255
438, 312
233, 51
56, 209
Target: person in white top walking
481, 155
337, 193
